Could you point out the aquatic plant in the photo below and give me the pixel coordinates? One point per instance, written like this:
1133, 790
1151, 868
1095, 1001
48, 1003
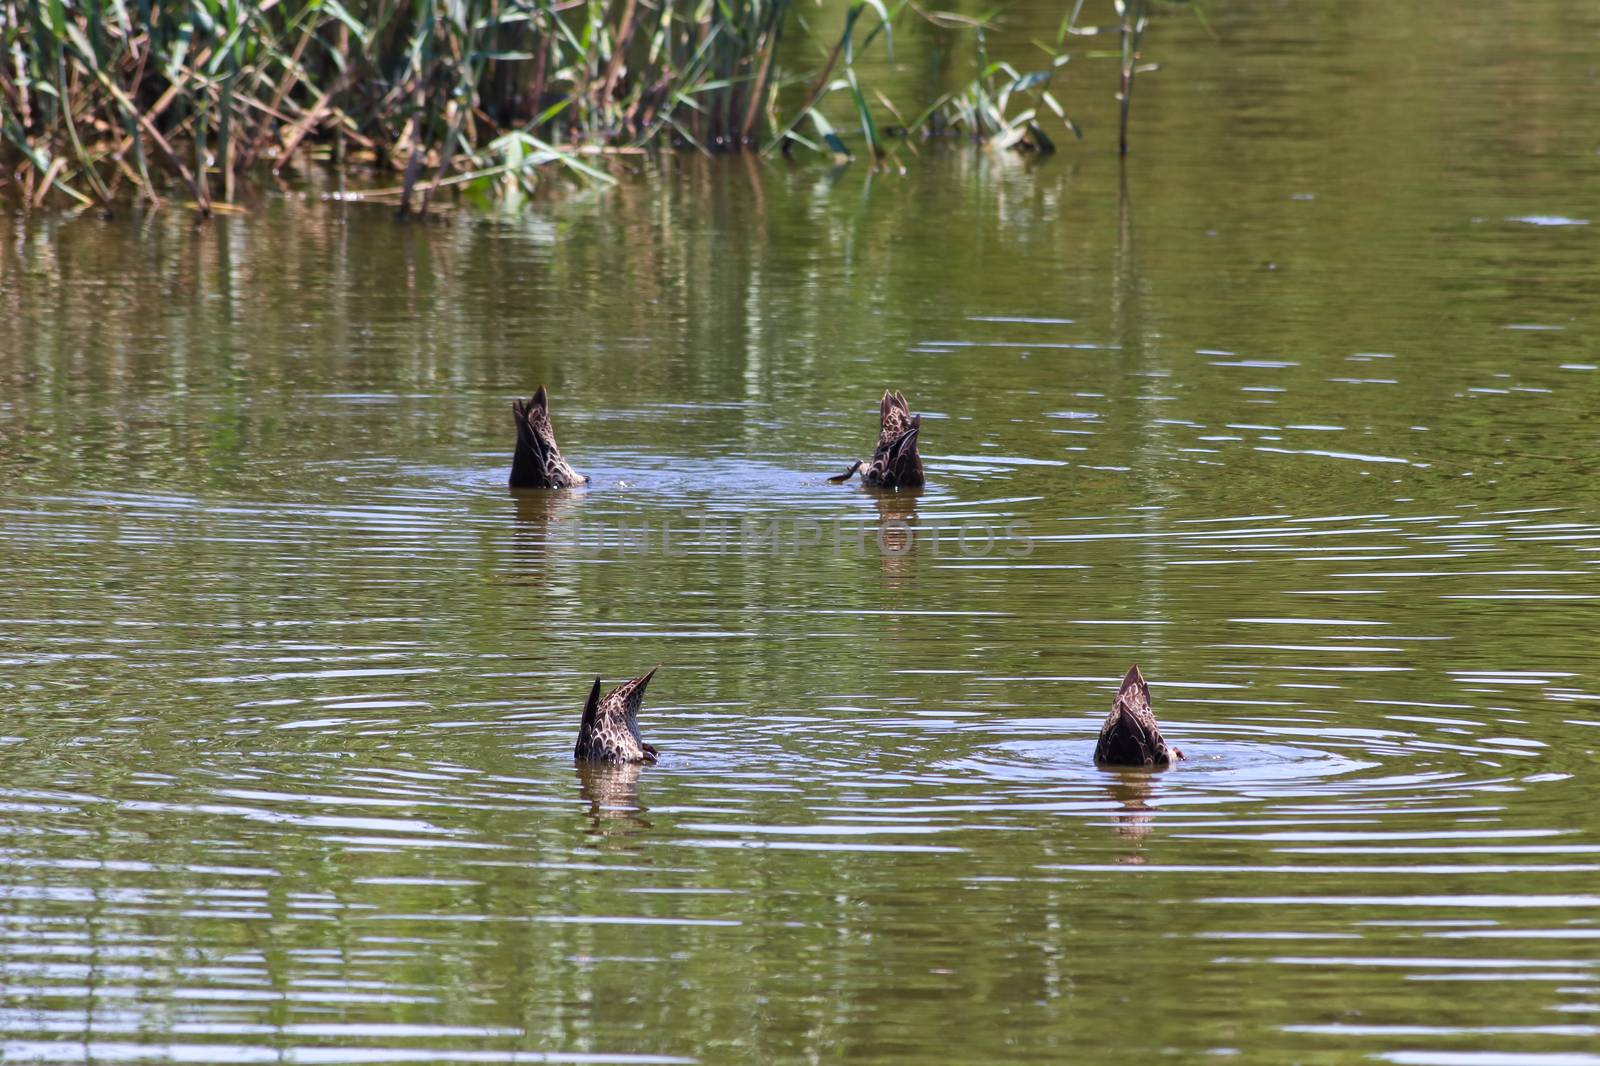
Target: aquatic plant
980, 110
983, 109
96, 93
100, 96
1133, 17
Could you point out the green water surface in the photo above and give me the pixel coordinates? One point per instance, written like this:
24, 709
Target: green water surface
1297, 410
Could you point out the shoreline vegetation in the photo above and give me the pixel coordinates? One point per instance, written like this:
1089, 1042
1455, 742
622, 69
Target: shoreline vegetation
106, 102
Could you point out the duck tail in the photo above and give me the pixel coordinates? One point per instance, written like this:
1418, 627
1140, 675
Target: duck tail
527, 461
905, 444
1134, 691
591, 710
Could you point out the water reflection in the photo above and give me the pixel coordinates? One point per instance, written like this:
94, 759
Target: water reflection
1131, 790
547, 522
897, 529
612, 792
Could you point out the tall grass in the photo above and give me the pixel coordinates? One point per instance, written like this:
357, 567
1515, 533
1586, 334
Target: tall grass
99, 93
102, 97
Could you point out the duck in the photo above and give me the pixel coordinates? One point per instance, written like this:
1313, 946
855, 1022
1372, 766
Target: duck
537, 462
1130, 735
895, 463
609, 732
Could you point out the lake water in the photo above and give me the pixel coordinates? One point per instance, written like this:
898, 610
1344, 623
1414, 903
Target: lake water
1298, 412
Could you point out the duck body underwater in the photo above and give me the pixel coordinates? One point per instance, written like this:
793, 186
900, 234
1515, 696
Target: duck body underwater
609, 732
895, 463
537, 462
1130, 735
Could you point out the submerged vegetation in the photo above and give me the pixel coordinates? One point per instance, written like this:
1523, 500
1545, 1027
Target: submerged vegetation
102, 97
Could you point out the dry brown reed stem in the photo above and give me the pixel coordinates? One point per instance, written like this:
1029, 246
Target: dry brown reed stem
438, 90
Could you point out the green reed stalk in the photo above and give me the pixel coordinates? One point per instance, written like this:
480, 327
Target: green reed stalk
1131, 33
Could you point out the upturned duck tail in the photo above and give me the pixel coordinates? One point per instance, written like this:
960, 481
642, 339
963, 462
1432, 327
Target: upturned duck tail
905, 445
839, 479
528, 460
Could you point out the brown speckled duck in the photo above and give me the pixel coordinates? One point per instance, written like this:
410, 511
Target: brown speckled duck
610, 728
895, 463
537, 462
1130, 735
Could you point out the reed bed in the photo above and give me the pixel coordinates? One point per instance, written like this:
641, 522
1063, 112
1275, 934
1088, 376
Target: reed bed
98, 93
106, 100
